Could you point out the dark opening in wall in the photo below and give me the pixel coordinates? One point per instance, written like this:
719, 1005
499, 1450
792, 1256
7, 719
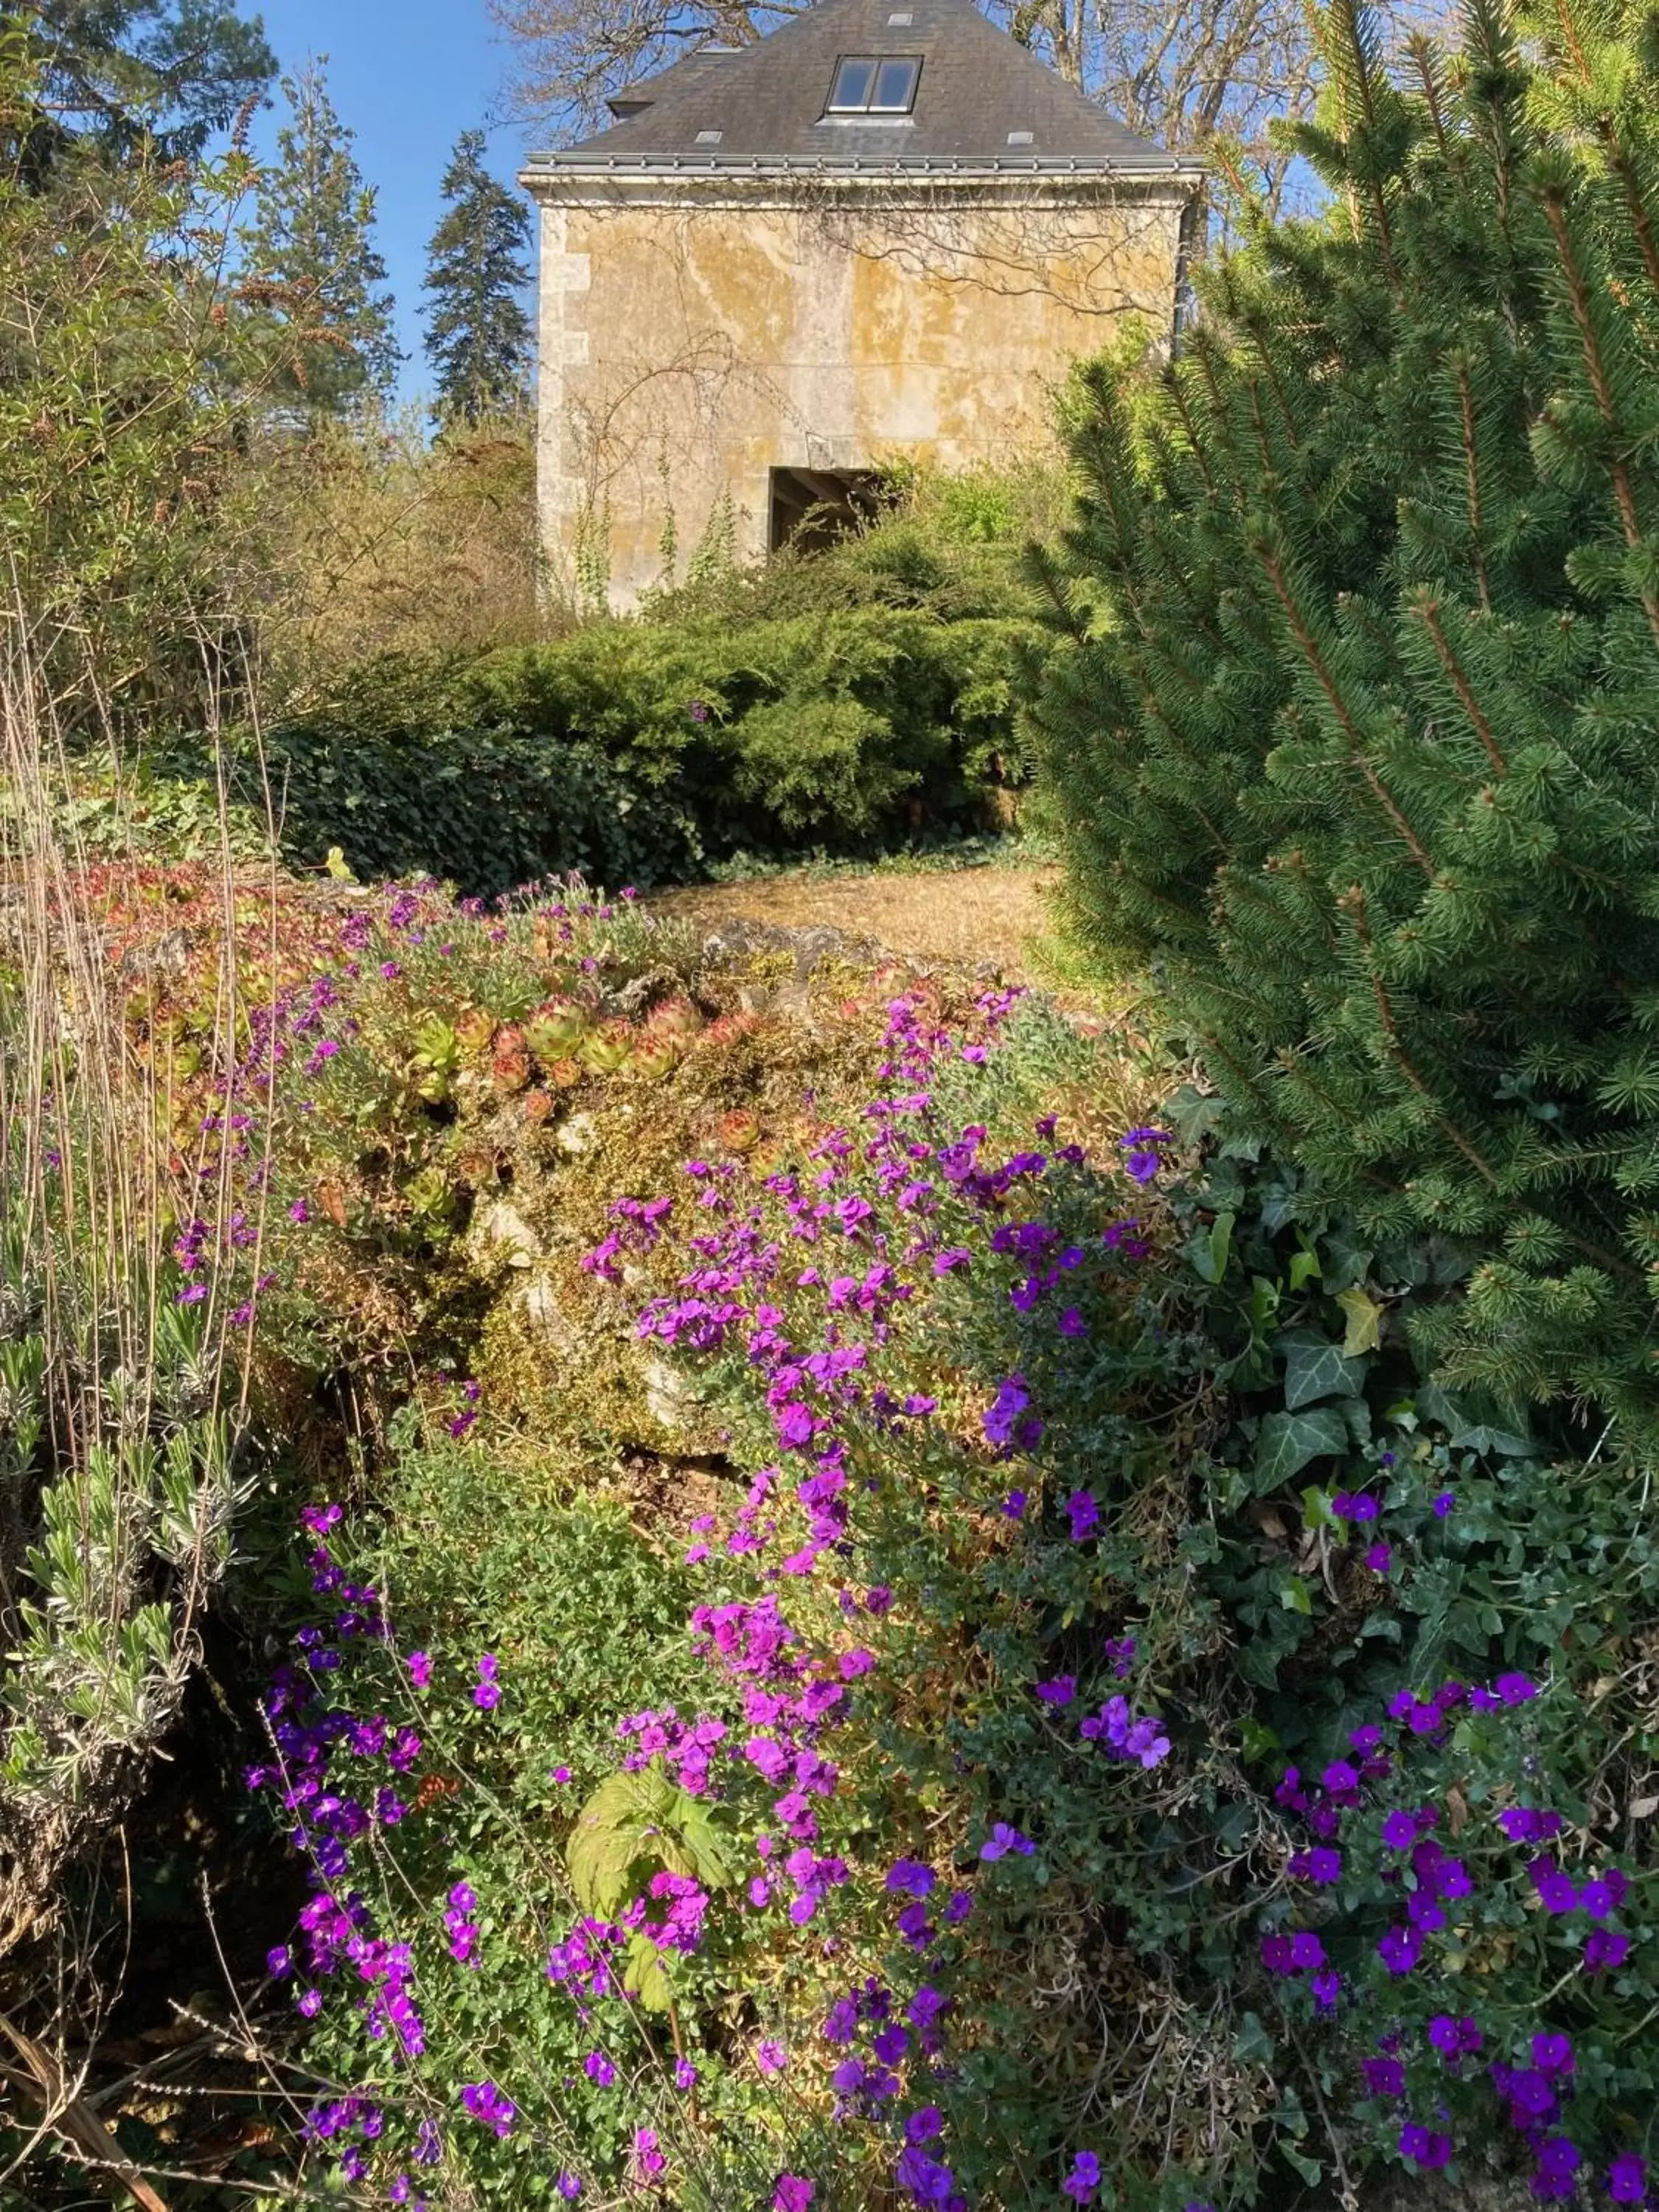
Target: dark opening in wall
811, 508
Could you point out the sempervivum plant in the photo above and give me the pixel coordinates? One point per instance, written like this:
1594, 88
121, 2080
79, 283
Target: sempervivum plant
555, 1027
606, 1050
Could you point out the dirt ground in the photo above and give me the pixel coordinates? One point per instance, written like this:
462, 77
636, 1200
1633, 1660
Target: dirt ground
988, 915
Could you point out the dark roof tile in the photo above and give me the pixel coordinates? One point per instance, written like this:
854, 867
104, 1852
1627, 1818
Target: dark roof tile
766, 101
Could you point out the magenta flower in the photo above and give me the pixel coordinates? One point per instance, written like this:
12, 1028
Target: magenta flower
487, 1695
598, 2069
419, 1668
485, 2102
793, 2193
648, 2161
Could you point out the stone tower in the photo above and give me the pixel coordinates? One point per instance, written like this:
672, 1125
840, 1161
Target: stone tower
883, 232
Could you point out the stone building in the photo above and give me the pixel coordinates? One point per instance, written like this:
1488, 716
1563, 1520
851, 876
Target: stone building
882, 233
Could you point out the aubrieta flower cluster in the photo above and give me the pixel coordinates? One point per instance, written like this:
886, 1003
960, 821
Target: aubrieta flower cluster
880, 1214
1438, 1895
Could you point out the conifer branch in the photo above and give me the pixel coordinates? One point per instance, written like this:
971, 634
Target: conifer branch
1421, 54
1352, 903
1309, 646
1578, 299
1471, 473
1635, 202
1427, 608
1194, 443
1356, 70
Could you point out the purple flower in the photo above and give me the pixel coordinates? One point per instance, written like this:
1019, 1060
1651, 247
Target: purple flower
485, 2102
1084, 2179
419, 1668
1384, 2077
1452, 2038
685, 2074
1058, 1690
1627, 2179
1377, 1559
569, 2187
927, 2181
598, 2069
1401, 1948
1140, 1147
1006, 1423
1003, 1840
771, 2058
1521, 1824
1553, 2054
1603, 1948
910, 1878
1321, 1865
487, 1695
793, 2193
1559, 2160
1424, 2149
1083, 1511
924, 2124
1013, 1505
1443, 1503
1400, 1832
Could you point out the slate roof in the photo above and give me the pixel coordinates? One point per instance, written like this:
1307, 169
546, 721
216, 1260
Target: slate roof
767, 100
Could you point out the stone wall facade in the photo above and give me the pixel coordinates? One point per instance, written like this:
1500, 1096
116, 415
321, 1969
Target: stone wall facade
697, 333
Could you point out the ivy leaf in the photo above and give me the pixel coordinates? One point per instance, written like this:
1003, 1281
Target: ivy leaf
1364, 1318
1288, 1441
1314, 1369
1304, 1268
1208, 1249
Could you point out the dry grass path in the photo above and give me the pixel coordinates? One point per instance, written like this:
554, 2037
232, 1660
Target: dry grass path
986, 915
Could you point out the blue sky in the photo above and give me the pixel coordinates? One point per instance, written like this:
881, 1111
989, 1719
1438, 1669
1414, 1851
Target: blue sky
408, 77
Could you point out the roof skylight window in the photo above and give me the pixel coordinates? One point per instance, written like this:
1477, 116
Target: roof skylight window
874, 84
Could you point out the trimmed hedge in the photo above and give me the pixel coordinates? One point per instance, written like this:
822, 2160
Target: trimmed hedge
642, 752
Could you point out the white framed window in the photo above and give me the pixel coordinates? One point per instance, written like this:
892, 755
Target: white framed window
874, 84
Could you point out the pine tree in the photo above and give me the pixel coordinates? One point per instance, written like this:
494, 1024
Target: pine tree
477, 335
1361, 751
113, 72
311, 253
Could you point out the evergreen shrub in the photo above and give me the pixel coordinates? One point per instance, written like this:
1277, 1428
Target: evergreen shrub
1351, 718
637, 750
